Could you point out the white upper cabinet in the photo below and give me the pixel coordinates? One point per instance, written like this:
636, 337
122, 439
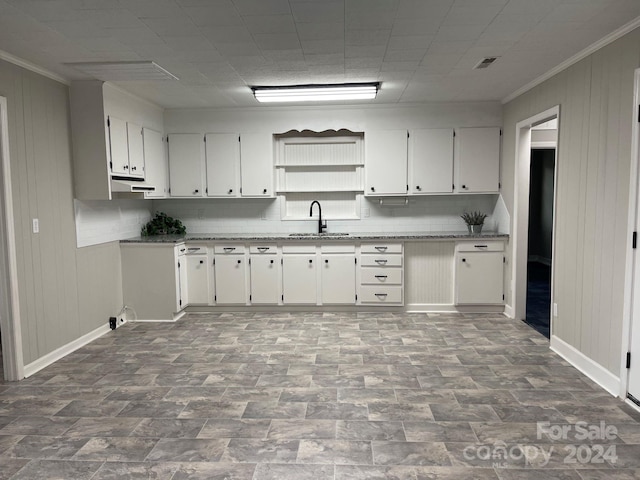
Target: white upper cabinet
136, 150
186, 164
477, 160
256, 160
223, 164
431, 161
118, 147
385, 162
155, 163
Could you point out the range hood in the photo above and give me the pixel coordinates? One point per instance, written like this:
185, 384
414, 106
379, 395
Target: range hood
125, 185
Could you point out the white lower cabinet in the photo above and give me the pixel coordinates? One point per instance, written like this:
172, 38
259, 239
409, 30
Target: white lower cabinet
381, 274
479, 273
230, 274
264, 265
338, 275
299, 275
197, 273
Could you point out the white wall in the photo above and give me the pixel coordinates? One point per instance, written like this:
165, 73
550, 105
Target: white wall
103, 221
593, 167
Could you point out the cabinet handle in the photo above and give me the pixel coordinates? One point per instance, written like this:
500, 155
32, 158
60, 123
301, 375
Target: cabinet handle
381, 262
382, 249
239, 262
263, 249
310, 261
326, 261
193, 249
481, 246
134, 168
271, 261
373, 189
228, 249
381, 276
464, 259
182, 249
201, 262
264, 191
196, 191
417, 187
381, 295
464, 186
230, 190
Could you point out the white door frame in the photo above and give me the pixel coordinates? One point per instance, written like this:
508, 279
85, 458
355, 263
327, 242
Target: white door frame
520, 232
9, 300
632, 226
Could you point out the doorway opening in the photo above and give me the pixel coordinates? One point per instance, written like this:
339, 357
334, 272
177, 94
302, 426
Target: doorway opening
534, 219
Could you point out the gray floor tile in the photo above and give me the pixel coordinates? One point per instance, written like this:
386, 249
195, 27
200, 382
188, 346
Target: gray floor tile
135, 471
410, 453
266, 471
214, 471
297, 429
245, 450
187, 450
340, 452
57, 469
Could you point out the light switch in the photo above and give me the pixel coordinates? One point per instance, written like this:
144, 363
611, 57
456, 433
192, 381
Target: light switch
36, 225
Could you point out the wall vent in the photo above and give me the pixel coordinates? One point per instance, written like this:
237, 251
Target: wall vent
485, 62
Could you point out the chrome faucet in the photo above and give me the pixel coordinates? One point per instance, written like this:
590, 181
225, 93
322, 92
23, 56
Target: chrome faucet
321, 226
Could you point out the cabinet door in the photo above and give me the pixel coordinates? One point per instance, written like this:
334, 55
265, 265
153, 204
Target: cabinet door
299, 283
186, 164
431, 161
385, 162
155, 163
197, 279
136, 150
479, 278
477, 159
231, 280
118, 146
223, 164
338, 279
256, 160
265, 288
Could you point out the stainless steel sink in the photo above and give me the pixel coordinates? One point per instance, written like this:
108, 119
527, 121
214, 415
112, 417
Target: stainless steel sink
323, 234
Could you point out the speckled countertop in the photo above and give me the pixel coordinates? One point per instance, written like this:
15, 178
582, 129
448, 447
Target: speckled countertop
313, 237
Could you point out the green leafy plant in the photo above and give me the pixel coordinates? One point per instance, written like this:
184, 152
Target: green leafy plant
473, 218
163, 224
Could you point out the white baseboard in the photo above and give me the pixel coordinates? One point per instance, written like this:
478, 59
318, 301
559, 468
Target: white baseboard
632, 405
591, 369
449, 308
58, 353
509, 311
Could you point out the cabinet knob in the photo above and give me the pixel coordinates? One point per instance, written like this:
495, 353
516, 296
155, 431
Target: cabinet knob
126, 167
417, 187
464, 259
326, 261
464, 186
373, 189
134, 168
239, 261
310, 261
271, 261
196, 191
264, 190
230, 190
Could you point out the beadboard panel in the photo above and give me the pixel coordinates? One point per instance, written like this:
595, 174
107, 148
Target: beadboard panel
593, 167
428, 272
42, 184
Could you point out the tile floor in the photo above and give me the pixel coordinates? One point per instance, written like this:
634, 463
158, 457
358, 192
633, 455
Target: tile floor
316, 396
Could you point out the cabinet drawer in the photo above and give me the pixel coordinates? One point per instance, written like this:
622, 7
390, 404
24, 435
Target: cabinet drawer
339, 248
311, 248
480, 246
381, 295
229, 249
196, 250
263, 249
381, 248
381, 260
380, 276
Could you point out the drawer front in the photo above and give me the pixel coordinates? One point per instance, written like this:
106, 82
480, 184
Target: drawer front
381, 260
196, 250
381, 295
380, 276
229, 249
381, 248
263, 249
480, 246
339, 248
309, 248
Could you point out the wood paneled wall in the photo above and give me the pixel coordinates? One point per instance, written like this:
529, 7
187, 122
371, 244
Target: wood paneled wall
53, 274
593, 166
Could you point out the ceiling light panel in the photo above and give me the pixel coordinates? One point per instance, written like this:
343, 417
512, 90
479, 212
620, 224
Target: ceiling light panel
316, 93
124, 71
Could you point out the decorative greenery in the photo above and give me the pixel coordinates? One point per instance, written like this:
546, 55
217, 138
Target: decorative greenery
162, 224
473, 218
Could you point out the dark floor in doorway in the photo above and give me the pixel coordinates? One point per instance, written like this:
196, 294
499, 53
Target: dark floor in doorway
538, 297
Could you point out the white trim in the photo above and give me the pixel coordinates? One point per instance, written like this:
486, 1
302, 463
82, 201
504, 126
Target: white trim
61, 352
508, 311
544, 145
627, 313
520, 226
591, 369
632, 405
10, 316
450, 308
32, 67
603, 42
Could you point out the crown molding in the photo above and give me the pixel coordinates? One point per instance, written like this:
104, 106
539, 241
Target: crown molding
604, 41
32, 67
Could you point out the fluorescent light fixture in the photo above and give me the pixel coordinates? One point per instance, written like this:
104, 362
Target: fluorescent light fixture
124, 71
316, 93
